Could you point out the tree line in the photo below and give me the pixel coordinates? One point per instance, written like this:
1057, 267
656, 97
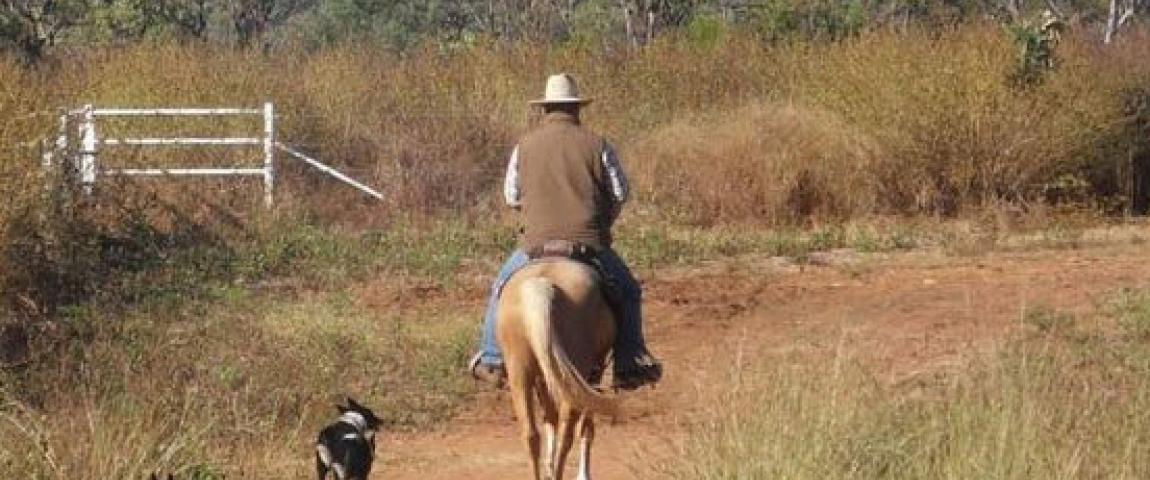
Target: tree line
31, 28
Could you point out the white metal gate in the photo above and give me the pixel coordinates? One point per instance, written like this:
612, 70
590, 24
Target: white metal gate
85, 161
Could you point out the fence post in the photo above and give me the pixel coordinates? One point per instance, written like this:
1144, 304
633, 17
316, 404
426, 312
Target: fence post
45, 156
88, 150
62, 138
269, 153
51, 150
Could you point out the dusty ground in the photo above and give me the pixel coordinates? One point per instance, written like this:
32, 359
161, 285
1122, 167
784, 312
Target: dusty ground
905, 314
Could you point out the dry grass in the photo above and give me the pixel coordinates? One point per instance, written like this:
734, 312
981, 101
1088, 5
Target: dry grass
891, 123
777, 164
233, 385
920, 122
1066, 401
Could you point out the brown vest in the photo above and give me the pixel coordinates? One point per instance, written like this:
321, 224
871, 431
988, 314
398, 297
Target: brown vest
563, 189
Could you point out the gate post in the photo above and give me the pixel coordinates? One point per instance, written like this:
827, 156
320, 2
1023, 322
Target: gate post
53, 150
269, 153
87, 165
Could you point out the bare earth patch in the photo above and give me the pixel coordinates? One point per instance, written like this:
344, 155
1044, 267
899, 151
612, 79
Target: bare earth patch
903, 315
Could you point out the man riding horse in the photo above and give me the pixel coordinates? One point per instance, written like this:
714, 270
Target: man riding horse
567, 183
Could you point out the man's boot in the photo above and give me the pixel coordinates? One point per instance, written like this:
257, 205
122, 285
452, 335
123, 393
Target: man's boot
637, 370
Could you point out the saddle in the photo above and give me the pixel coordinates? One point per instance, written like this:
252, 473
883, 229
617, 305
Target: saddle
553, 249
585, 254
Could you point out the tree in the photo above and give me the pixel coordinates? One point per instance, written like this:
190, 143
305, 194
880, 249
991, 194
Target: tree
1121, 11
188, 18
643, 18
252, 19
639, 20
31, 26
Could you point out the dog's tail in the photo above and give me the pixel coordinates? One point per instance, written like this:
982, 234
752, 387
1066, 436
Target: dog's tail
563, 381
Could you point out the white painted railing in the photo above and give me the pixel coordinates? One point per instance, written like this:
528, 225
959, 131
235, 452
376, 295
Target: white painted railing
181, 141
330, 171
90, 147
172, 112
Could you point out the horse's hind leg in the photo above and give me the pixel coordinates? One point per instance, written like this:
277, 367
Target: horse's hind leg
565, 437
587, 435
550, 422
522, 389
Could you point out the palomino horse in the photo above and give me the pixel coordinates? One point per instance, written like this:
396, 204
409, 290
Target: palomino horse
556, 331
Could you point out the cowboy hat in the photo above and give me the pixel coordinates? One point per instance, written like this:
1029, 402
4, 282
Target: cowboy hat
561, 88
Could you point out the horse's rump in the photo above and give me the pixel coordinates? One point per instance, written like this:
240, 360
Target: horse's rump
564, 382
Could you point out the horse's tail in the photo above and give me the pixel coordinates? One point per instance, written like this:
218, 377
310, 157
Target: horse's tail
563, 381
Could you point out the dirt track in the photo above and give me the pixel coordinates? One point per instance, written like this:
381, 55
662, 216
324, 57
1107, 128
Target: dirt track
905, 313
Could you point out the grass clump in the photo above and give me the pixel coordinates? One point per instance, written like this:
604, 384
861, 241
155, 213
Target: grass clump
224, 386
1064, 404
1132, 310
775, 163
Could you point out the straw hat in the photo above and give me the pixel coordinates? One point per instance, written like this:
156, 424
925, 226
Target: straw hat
561, 88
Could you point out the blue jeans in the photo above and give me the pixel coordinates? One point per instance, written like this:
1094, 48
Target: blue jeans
628, 343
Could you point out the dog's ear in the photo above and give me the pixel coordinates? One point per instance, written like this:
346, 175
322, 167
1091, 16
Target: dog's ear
354, 406
342, 409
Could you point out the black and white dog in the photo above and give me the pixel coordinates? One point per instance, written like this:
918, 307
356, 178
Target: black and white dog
347, 446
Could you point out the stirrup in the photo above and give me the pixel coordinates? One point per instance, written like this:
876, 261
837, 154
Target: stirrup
493, 374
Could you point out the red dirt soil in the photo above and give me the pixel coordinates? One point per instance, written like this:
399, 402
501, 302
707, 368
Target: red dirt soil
903, 314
